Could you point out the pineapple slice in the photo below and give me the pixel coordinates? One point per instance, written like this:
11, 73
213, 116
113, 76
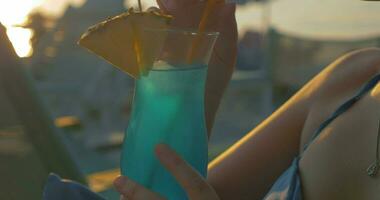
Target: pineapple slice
123, 42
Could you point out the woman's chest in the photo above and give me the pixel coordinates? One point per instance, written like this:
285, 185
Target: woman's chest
334, 166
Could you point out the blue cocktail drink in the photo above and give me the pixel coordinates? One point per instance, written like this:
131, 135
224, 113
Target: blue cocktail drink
168, 108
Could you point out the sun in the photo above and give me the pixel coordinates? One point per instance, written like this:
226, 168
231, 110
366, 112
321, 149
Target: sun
15, 12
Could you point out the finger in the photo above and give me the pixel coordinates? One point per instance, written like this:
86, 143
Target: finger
171, 5
133, 191
163, 6
191, 181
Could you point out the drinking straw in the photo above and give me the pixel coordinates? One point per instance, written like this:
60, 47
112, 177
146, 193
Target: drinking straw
210, 6
137, 45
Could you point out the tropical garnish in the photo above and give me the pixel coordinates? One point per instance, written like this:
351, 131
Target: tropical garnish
125, 40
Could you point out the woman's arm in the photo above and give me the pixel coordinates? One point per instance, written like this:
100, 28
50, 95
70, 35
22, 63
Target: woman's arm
248, 169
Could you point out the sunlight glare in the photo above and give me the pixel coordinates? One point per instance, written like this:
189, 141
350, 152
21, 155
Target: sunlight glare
20, 38
15, 12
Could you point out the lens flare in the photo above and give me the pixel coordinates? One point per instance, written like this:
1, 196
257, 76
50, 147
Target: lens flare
15, 12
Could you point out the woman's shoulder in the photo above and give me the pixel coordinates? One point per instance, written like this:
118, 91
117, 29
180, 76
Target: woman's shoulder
355, 61
349, 72
350, 140
339, 82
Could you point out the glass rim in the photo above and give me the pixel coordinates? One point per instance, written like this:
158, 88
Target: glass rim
190, 32
183, 67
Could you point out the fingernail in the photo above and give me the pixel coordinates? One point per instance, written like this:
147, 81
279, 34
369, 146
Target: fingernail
169, 4
120, 181
167, 155
161, 149
229, 8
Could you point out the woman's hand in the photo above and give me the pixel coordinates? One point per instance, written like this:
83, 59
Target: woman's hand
190, 180
187, 14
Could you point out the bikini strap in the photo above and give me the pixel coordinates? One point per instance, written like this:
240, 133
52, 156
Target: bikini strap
344, 107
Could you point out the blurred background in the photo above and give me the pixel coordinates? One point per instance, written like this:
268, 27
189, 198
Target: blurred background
83, 104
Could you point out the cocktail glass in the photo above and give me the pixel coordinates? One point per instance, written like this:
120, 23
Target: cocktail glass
168, 107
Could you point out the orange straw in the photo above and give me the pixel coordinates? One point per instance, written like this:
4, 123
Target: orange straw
210, 6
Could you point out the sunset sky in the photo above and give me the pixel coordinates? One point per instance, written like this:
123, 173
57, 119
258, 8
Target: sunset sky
321, 19
13, 12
